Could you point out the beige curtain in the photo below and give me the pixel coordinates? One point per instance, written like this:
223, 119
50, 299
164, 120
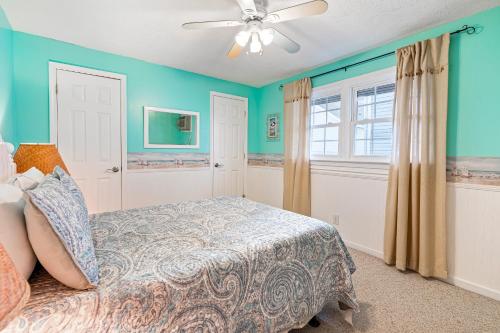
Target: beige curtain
297, 174
415, 226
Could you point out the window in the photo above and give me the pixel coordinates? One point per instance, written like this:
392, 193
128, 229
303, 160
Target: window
352, 119
325, 125
372, 123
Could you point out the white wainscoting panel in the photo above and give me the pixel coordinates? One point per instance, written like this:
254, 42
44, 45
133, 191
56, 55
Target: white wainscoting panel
358, 203
265, 184
153, 187
359, 199
474, 238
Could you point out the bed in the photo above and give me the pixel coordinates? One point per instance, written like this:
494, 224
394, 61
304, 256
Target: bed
220, 265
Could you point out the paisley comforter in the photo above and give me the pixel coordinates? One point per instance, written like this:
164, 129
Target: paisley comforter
219, 265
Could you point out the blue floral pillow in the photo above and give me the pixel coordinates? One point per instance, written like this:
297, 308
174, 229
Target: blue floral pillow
69, 183
67, 214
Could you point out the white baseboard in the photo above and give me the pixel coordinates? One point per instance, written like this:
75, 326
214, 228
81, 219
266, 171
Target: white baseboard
364, 249
474, 287
461, 283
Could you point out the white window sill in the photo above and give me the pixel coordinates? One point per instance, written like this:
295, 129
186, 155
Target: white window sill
378, 170
367, 161
344, 168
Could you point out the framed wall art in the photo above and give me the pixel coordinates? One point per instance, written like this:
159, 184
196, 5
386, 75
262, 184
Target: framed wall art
273, 127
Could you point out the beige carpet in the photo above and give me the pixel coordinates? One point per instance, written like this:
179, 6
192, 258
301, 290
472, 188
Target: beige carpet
392, 301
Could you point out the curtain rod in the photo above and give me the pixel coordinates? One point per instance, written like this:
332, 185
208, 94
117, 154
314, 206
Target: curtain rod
466, 28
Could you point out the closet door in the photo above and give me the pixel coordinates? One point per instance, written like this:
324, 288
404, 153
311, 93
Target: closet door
89, 136
229, 145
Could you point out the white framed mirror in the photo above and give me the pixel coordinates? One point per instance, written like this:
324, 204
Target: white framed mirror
168, 128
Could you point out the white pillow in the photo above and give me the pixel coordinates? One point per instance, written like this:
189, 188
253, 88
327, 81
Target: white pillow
28, 180
13, 234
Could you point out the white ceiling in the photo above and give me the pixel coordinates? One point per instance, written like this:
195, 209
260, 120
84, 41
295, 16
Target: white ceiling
151, 30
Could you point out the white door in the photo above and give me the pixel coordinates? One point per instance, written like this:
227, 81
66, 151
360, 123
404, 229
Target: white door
89, 136
229, 145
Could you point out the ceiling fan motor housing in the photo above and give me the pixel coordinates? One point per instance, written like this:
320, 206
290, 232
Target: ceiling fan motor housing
249, 15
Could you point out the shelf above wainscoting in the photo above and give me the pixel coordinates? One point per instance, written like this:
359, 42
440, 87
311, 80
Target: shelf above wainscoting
162, 162
472, 186
373, 171
160, 170
265, 167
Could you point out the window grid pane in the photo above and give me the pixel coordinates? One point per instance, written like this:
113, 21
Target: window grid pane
373, 139
333, 116
318, 134
320, 118
332, 147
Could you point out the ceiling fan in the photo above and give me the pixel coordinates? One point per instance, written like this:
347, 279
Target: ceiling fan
255, 20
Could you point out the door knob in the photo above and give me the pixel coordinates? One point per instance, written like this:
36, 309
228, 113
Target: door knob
113, 169
219, 165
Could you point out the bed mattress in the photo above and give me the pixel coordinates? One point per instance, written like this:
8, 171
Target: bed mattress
219, 265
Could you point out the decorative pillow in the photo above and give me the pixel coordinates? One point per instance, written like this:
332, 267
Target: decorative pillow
14, 290
28, 180
71, 186
13, 234
69, 183
59, 231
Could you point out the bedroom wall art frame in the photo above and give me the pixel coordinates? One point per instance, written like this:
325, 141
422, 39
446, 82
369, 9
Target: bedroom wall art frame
273, 127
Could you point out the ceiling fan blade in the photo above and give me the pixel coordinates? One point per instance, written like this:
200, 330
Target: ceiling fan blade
235, 51
311, 8
285, 43
212, 24
247, 6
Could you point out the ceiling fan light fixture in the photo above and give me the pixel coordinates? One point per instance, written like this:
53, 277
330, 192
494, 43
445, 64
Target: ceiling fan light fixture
242, 38
255, 45
267, 36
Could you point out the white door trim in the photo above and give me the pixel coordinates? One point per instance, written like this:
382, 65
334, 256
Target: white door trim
53, 129
245, 141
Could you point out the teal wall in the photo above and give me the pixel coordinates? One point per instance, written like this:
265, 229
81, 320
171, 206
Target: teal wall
147, 85
6, 95
473, 118
474, 85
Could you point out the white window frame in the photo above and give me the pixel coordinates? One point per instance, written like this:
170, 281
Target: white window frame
347, 89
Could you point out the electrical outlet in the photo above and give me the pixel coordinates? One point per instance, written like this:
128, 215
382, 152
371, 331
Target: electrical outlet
336, 220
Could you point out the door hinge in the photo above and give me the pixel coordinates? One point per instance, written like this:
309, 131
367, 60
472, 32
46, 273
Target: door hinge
57, 88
